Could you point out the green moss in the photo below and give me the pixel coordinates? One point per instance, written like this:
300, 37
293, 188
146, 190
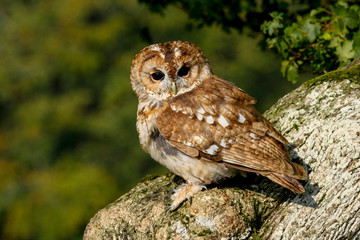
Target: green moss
255, 237
205, 232
351, 74
149, 178
322, 198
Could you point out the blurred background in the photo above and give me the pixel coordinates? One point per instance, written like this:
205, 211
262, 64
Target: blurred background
68, 141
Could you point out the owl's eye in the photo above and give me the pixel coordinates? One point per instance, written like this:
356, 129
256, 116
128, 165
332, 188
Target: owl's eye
157, 76
183, 71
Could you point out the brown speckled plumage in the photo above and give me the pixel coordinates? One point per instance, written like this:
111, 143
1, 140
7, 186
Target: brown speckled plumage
202, 127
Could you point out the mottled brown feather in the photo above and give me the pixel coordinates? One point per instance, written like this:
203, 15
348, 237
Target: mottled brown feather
286, 181
193, 152
251, 145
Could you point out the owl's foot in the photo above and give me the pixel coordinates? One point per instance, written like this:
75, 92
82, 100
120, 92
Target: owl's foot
184, 192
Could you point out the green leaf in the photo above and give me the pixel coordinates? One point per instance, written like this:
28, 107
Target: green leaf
356, 39
343, 4
335, 42
294, 32
274, 26
351, 19
290, 71
357, 53
326, 36
271, 27
314, 12
276, 16
345, 52
271, 42
284, 67
311, 30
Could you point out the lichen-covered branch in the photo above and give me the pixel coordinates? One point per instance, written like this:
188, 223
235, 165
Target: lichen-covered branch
322, 120
142, 214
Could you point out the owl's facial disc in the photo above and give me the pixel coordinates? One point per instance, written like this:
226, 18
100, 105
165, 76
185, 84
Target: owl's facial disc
165, 79
169, 69
160, 76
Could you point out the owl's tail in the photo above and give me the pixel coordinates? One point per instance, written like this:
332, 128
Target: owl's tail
289, 180
286, 181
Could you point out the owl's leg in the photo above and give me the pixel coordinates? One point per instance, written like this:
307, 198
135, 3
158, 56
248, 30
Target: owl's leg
185, 191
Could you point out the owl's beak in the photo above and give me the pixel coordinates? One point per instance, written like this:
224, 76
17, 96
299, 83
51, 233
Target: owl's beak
173, 87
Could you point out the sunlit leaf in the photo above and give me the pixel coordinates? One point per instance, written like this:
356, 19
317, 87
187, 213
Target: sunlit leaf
345, 51
312, 30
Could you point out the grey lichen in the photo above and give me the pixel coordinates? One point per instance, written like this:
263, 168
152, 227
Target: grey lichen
322, 120
327, 114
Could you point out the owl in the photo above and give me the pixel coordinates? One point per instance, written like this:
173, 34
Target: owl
201, 127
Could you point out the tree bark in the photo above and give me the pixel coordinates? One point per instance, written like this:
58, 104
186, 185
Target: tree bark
321, 119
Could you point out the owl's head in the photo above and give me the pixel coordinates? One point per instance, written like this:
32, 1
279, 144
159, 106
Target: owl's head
164, 70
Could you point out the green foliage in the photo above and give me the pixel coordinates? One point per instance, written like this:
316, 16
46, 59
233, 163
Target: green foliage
309, 35
323, 39
67, 114
227, 14
57, 201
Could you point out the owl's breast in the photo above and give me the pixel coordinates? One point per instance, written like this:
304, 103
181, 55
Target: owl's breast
150, 137
146, 124
192, 169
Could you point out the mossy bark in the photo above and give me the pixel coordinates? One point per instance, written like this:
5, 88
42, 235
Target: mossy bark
322, 120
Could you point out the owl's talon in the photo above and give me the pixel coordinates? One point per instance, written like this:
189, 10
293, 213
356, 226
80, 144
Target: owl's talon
170, 193
184, 192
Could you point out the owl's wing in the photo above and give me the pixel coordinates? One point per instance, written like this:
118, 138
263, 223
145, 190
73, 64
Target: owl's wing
217, 122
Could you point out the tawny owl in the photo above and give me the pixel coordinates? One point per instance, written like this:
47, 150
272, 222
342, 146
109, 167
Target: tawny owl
200, 126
